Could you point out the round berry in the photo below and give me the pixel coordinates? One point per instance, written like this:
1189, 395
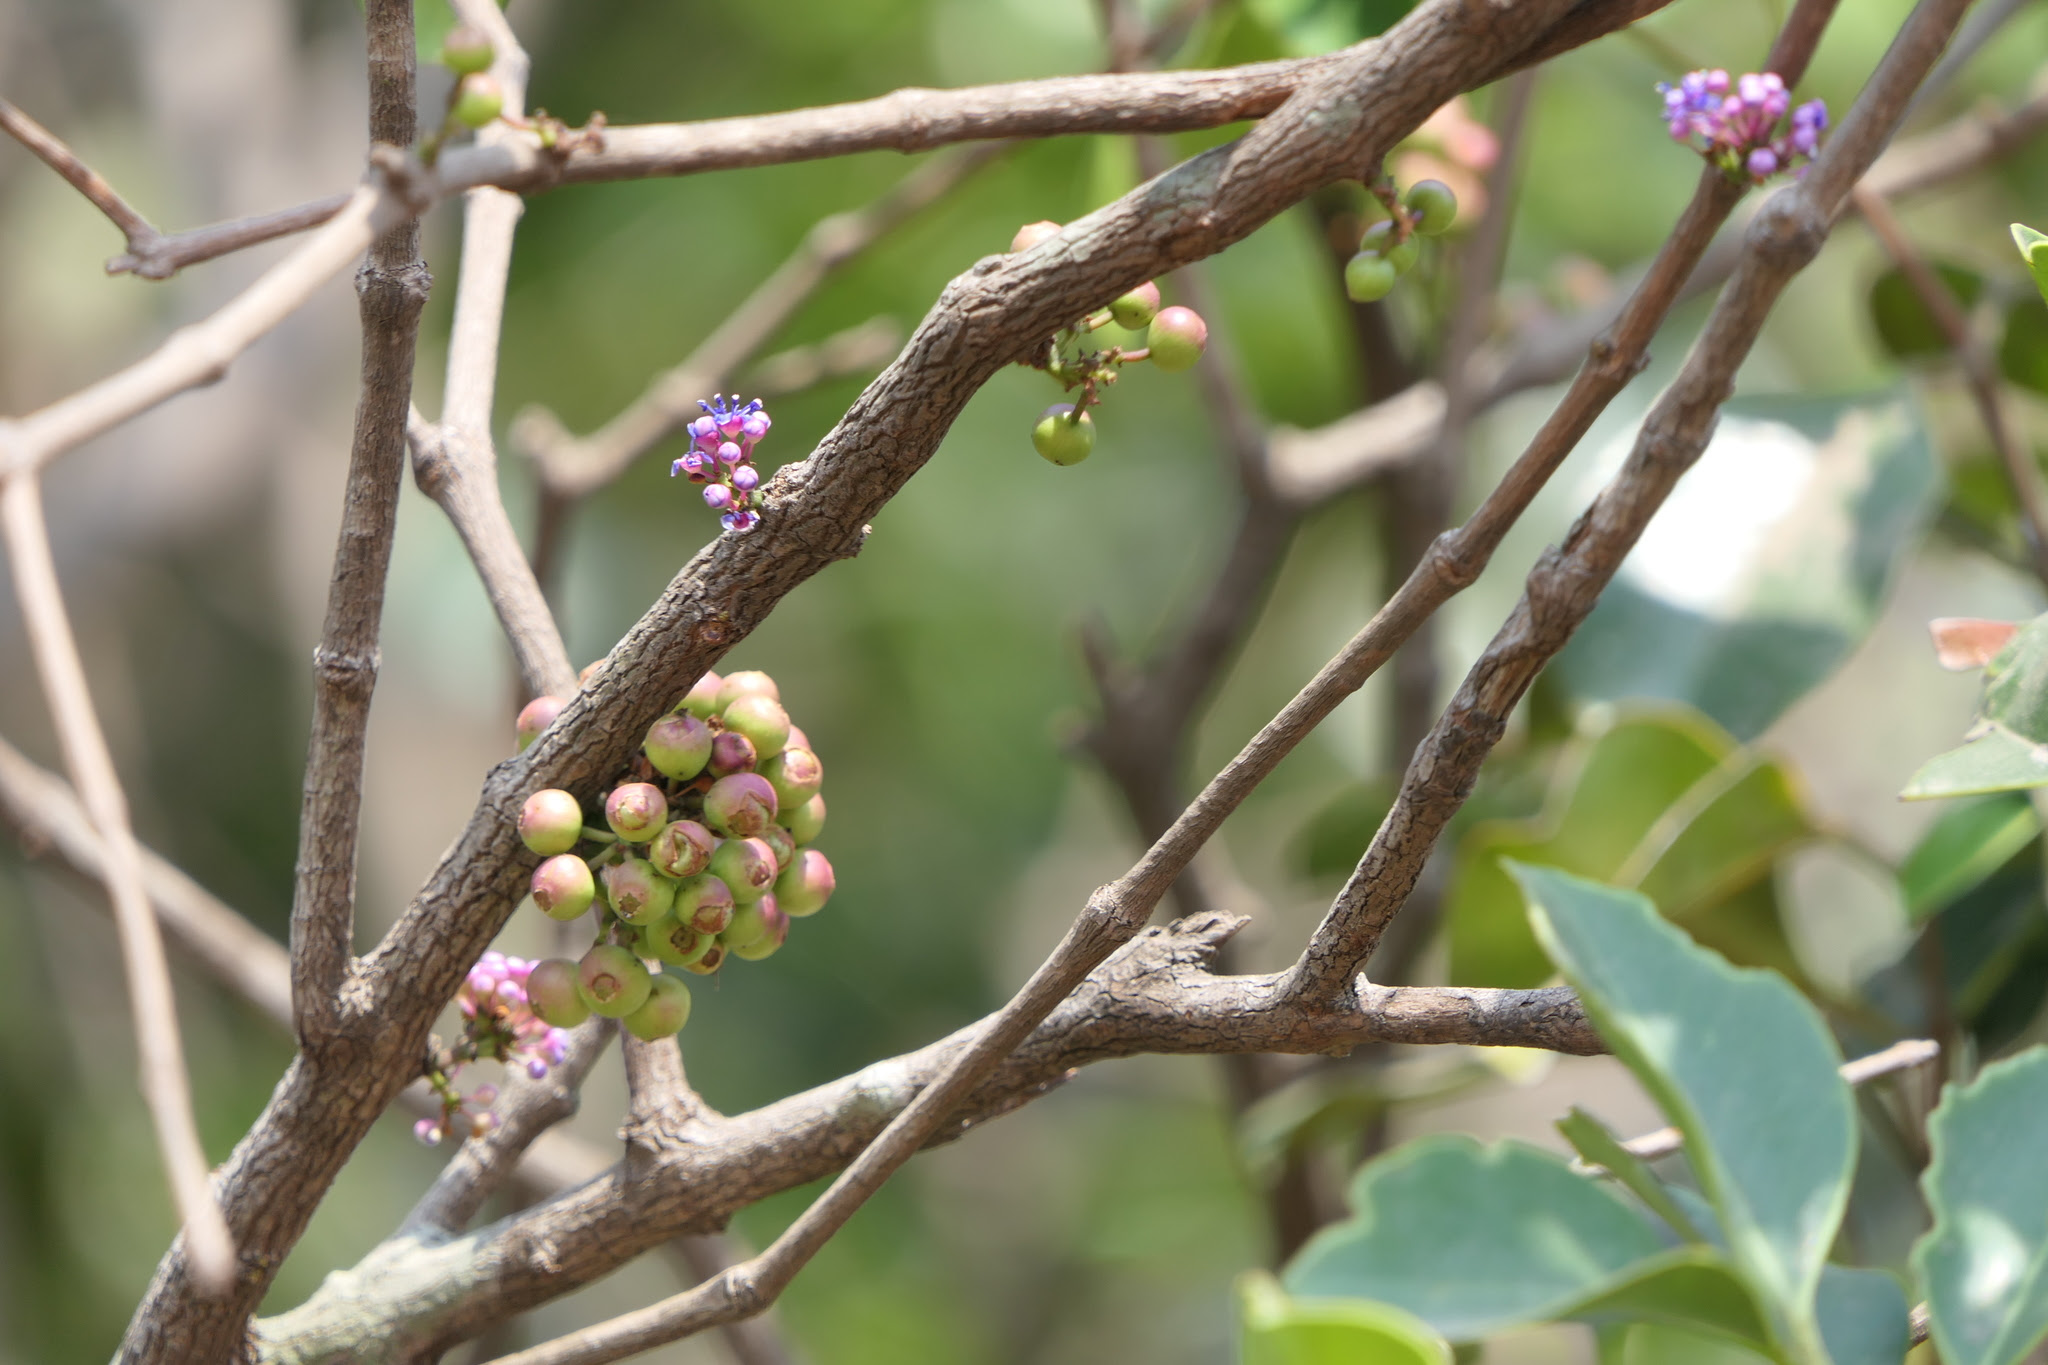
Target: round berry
779, 843
478, 101
466, 51
673, 942
796, 775
1177, 339
613, 980
713, 959
807, 821
1137, 308
702, 700
682, 849
636, 811
663, 1015
550, 822
739, 805
731, 752
704, 904
1062, 435
1434, 206
805, 885
1379, 239
551, 990
678, 745
755, 923
536, 716
1369, 276
747, 682
563, 887
638, 894
746, 866
1031, 234
762, 720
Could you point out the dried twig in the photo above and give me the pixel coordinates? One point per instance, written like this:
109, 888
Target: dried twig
159, 1051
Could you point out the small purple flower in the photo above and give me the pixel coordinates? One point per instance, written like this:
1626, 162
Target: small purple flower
740, 521
537, 1069
704, 428
1763, 163
428, 1132
746, 478
1740, 125
729, 453
717, 497
755, 426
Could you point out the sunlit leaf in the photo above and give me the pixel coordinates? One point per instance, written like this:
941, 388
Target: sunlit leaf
1984, 1263
1995, 761
1597, 1146
1962, 848
1277, 1330
1740, 1063
2034, 251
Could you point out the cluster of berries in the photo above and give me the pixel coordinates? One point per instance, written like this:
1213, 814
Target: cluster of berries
1174, 340
721, 457
476, 98
1389, 248
1741, 125
703, 857
498, 1024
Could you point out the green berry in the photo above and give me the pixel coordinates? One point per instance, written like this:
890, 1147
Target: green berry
678, 745
702, 700
796, 774
478, 101
747, 682
1369, 276
1177, 339
807, 821
636, 811
779, 843
563, 887
677, 944
713, 959
1379, 239
550, 822
663, 1016
704, 904
805, 885
762, 720
1433, 205
746, 866
740, 805
1064, 436
551, 990
466, 51
682, 849
614, 982
637, 893
1137, 308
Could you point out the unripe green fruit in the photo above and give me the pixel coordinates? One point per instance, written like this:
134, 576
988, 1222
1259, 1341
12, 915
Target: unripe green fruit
740, 805
806, 884
637, 893
1031, 234
1434, 205
713, 959
807, 821
613, 981
1062, 436
678, 745
636, 811
677, 944
536, 716
1379, 238
796, 774
764, 947
663, 1016
747, 682
682, 849
552, 991
779, 843
702, 700
762, 720
1177, 339
746, 866
550, 822
757, 931
466, 51
704, 904
478, 101
563, 887
1369, 277
1137, 308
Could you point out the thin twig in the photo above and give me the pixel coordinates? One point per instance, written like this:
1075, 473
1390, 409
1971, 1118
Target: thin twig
160, 1053
2022, 474
1786, 234
173, 251
83, 178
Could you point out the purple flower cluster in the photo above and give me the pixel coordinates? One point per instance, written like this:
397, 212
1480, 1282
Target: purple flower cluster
1742, 125
720, 457
498, 1023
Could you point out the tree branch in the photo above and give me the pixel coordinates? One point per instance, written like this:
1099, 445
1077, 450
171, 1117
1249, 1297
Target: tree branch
1786, 234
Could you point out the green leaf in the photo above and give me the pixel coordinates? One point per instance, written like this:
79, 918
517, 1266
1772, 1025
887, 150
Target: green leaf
2016, 683
1996, 761
1768, 563
432, 21
1280, 1331
1862, 1316
1984, 1263
2023, 349
1904, 324
1740, 1063
2031, 244
1597, 1146
1962, 848
1475, 1239
1691, 1288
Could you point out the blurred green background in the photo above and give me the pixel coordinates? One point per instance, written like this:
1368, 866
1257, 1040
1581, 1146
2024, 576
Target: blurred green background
938, 673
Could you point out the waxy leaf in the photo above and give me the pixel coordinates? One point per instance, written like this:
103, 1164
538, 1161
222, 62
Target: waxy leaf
1740, 1063
1862, 1316
1277, 1330
1962, 848
2034, 251
1984, 1263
